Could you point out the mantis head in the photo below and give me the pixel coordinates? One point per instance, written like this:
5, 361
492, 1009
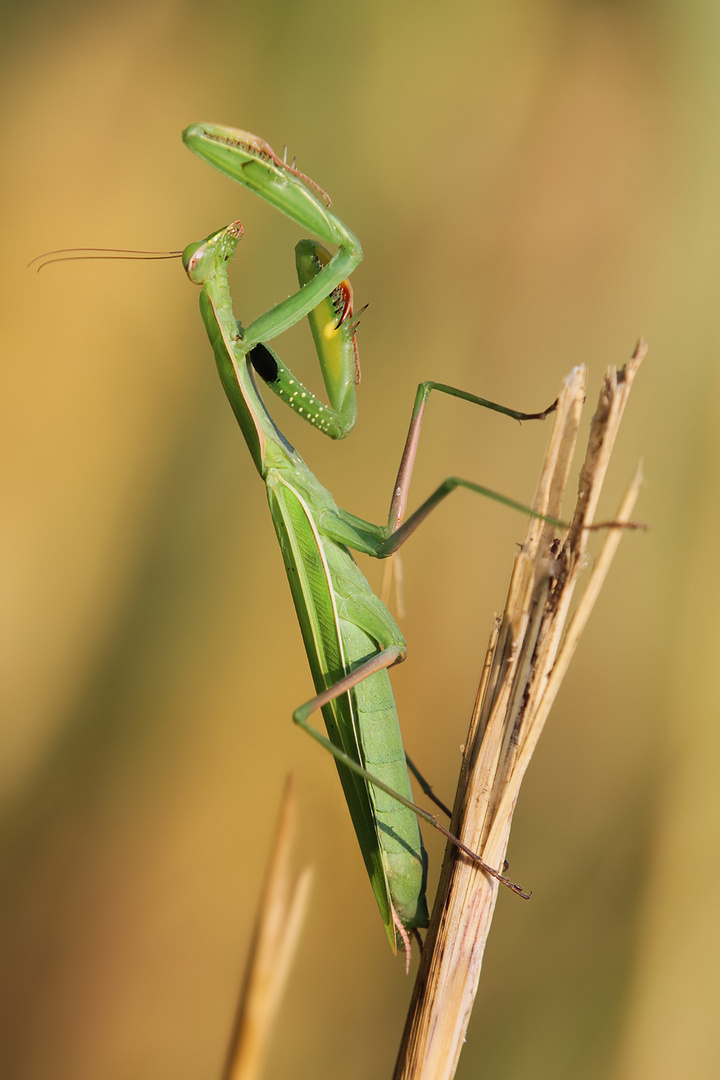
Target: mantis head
203, 258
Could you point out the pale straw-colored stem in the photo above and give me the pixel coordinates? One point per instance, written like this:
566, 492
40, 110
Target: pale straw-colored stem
276, 933
529, 652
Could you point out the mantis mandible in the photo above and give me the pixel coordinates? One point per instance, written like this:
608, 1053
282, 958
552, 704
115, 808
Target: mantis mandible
350, 637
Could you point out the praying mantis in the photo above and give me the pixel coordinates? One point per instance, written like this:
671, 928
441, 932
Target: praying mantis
350, 637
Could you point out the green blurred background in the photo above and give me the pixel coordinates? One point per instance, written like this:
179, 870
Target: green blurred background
535, 183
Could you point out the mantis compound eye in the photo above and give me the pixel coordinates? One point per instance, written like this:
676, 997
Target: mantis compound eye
192, 258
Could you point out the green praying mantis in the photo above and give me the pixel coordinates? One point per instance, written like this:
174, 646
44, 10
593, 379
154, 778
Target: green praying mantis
350, 637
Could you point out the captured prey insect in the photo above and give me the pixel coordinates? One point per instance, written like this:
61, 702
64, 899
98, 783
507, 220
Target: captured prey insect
350, 637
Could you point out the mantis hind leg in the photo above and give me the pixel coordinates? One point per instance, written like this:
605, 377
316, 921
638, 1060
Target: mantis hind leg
384, 659
426, 786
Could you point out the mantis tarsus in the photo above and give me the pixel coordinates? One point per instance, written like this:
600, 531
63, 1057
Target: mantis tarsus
350, 637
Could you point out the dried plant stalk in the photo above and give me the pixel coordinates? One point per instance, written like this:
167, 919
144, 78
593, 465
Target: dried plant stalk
529, 652
282, 907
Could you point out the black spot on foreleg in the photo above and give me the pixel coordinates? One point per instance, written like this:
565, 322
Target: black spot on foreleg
264, 363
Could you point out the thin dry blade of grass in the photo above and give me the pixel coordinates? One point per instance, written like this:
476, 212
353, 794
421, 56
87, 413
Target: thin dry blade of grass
281, 910
528, 656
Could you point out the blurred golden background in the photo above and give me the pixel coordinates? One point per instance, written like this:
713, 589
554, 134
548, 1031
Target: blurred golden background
535, 183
